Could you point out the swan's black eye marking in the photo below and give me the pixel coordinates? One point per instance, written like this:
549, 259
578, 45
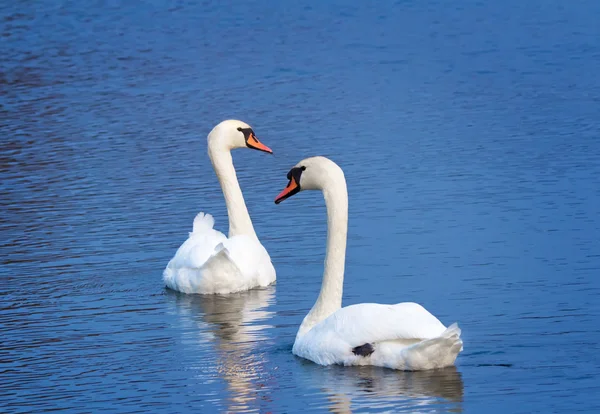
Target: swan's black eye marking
248, 133
363, 350
252, 141
296, 172
293, 185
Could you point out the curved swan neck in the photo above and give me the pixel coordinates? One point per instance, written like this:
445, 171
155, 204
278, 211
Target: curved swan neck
239, 219
330, 296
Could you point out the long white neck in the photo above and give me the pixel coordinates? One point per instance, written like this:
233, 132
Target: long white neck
330, 297
239, 219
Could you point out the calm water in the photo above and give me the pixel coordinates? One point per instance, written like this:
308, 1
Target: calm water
469, 134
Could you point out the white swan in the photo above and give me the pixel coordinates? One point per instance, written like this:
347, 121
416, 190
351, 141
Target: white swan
404, 336
208, 262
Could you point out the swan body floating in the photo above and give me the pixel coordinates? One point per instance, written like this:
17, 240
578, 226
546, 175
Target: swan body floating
404, 336
208, 262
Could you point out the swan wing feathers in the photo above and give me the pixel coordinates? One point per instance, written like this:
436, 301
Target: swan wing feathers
251, 258
200, 245
208, 262
367, 323
238, 264
193, 253
219, 274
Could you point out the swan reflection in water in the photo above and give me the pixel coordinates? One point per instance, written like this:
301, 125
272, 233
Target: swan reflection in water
232, 325
381, 389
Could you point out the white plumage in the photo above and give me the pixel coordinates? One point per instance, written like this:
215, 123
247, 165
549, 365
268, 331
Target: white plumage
208, 262
403, 336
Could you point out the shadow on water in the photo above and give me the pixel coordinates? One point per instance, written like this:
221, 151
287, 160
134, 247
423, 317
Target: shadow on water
374, 388
232, 328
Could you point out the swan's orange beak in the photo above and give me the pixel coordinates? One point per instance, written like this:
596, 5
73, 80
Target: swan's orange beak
254, 143
291, 189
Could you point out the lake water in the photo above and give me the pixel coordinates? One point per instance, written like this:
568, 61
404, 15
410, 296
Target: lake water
469, 135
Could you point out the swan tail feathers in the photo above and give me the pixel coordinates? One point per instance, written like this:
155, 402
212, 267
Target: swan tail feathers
435, 353
203, 222
453, 331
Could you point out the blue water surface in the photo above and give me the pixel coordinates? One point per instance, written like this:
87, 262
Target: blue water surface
469, 135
